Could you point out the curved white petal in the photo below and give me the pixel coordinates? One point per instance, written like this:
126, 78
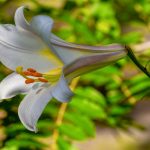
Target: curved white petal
90, 63
20, 21
12, 85
24, 49
69, 52
32, 107
42, 26
25, 41
61, 90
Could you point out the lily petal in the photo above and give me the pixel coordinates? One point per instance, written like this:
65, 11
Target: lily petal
42, 26
69, 52
12, 85
20, 21
90, 63
24, 49
32, 107
61, 90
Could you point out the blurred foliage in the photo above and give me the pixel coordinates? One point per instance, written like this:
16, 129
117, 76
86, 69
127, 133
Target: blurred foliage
103, 97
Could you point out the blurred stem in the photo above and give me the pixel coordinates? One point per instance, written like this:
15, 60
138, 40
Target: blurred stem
133, 58
60, 116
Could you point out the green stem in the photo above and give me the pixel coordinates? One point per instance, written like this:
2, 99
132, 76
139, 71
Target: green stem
133, 58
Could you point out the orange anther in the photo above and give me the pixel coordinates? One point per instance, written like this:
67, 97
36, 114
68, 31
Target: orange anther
27, 73
37, 74
31, 70
42, 80
28, 81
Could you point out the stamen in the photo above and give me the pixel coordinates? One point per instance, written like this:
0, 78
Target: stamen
34, 74
31, 70
42, 80
28, 81
37, 74
52, 76
27, 73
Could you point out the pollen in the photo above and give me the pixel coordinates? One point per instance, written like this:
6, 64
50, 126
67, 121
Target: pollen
31, 70
27, 73
42, 80
37, 74
28, 81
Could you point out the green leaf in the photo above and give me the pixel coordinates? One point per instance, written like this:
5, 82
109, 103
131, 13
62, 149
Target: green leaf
115, 96
72, 131
132, 37
15, 128
24, 143
96, 78
91, 94
13, 147
118, 110
63, 144
82, 122
139, 87
90, 109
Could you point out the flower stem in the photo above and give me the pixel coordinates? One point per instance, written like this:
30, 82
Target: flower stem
134, 59
60, 116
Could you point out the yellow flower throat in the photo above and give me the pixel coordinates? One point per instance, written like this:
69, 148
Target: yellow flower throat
31, 75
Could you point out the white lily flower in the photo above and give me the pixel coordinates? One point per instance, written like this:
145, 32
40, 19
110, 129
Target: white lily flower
55, 63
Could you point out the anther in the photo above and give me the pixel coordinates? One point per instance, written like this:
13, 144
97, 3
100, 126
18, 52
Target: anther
34, 74
31, 70
27, 73
37, 77
37, 74
28, 81
42, 80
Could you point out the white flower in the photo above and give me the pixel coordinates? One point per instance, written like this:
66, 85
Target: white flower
55, 63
